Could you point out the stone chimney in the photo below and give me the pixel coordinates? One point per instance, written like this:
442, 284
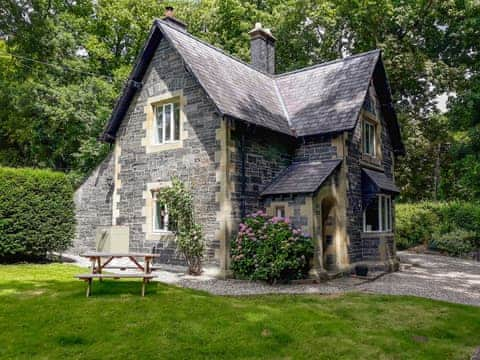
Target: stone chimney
262, 49
172, 20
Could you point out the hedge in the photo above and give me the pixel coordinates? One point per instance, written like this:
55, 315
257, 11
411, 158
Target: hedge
36, 213
452, 227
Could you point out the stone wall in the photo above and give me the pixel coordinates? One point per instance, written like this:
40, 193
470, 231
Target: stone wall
134, 170
315, 148
354, 193
365, 247
264, 154
298, 208
93, 205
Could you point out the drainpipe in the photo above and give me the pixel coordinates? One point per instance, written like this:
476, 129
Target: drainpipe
243, 176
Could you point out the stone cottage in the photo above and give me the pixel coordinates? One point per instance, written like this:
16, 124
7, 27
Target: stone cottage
317, 145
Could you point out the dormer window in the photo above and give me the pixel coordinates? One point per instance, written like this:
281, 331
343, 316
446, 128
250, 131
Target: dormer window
167, 123
368, 137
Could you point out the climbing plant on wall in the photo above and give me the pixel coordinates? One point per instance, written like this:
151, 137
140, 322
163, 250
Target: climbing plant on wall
179, 203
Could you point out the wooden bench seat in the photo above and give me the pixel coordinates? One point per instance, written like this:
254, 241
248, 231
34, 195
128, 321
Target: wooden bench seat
89, 278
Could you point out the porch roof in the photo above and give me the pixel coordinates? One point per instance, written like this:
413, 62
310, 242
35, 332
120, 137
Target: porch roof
301, 177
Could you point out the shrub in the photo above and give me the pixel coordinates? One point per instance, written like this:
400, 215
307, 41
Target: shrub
270, 249
436, 224
454, 243
414, 224
36, 213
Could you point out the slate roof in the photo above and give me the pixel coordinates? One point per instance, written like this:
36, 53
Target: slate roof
382, 181
237, 89
301, 177
328, 97
320, 99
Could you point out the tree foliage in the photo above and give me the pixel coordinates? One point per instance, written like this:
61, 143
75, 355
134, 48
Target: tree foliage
52, 114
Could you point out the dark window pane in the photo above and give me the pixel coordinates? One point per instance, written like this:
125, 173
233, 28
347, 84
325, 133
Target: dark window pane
158, 124
176, 123
168, 125
371, 216
384, 213
280, 211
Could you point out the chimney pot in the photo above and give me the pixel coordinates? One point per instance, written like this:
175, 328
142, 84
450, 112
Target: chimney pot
169, 11
172, 20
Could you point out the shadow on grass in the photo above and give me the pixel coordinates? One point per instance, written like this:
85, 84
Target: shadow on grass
77, 288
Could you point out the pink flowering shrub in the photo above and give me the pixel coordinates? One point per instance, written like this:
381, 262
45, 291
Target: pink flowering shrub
269, 248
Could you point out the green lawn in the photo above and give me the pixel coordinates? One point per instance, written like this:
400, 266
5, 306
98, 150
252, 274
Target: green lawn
44, 314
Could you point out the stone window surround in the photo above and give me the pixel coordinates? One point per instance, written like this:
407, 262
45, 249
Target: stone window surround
149, 123
154, 215
148, 209
376, 159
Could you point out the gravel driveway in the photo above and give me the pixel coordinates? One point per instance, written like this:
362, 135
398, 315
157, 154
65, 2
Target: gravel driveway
430, 276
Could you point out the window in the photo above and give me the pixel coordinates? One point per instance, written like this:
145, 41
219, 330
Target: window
167, 123
160, 216
280, 211
369, 104
378, 215
368, 138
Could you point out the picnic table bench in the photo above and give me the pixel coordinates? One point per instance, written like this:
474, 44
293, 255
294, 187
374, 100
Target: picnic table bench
97, 267
89, 279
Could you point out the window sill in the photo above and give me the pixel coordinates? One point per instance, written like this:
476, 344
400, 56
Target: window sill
160, 236
371, 162
162, 232
376, 234
165, 146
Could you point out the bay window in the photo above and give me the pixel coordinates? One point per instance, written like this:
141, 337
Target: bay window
167, 123
377, 217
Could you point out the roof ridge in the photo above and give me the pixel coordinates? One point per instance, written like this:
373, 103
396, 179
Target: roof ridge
284, 107
312, 67
217, 49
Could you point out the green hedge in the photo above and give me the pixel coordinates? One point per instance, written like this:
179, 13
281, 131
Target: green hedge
36, 213
452, 227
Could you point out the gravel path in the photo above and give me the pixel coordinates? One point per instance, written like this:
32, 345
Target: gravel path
430, 276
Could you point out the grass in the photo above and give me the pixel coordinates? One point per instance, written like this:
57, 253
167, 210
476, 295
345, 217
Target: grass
44, 314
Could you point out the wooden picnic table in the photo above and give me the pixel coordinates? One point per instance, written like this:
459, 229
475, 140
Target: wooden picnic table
98, 266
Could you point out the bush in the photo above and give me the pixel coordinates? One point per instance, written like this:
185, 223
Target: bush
454, 243
36, 213
270, 249
439, 225
414, 224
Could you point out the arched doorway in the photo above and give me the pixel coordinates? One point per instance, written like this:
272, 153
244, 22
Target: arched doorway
328, 233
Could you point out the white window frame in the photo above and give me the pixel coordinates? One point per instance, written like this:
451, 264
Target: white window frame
366, 139
162, 106
154, 217
280, 208
384, 213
